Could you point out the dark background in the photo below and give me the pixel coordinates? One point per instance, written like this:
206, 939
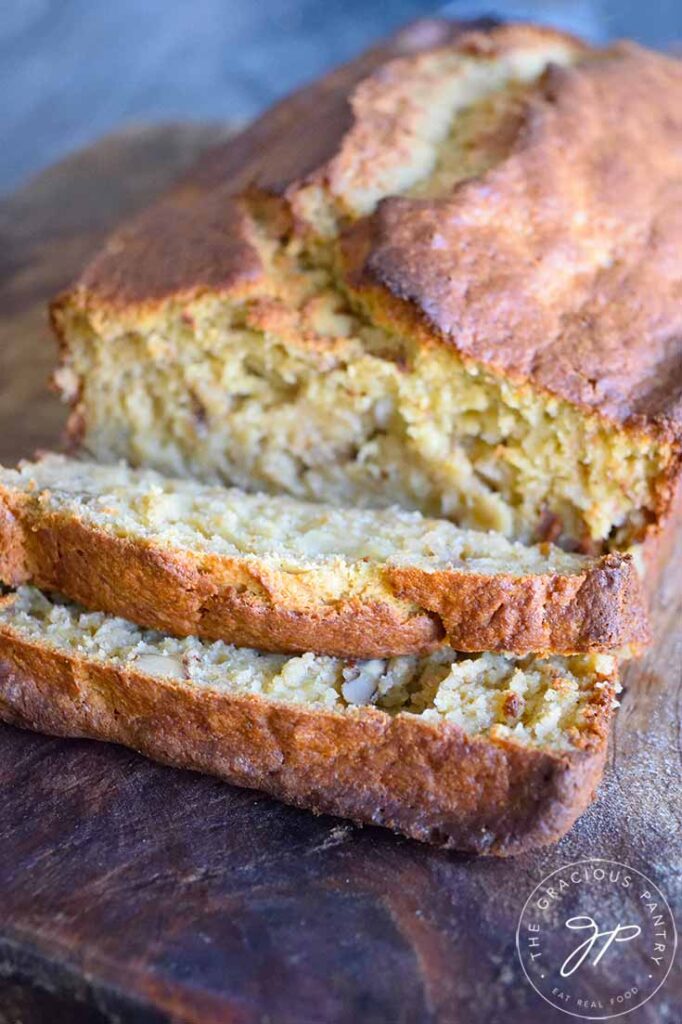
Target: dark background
74, 69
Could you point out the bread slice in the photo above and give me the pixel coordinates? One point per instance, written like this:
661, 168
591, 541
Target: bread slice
287, 575
444, 277
486, 753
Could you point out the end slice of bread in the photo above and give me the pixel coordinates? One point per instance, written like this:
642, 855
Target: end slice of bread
288, 575
485, 753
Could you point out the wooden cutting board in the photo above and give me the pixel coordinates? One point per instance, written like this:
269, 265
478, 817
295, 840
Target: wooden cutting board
134, 892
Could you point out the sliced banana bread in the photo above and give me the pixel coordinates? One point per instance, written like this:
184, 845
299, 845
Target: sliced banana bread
447, 276
486, 753
287, 575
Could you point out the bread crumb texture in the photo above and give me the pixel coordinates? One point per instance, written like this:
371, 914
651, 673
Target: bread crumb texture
296, 375
555, 703
297, 536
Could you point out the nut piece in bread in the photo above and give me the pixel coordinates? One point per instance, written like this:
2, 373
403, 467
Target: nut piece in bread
485, 753
288, 575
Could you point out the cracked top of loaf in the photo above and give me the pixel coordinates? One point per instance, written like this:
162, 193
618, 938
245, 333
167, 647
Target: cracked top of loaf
502, 189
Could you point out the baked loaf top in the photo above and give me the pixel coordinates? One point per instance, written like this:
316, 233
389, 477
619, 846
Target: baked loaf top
488, 753
288, 575
530, 218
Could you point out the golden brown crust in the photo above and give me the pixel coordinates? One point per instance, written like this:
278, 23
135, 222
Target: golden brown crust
598, 610
243, 601
557, 265
432, 783
216, 252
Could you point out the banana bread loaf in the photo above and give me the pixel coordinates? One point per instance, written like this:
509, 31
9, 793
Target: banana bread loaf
446, 276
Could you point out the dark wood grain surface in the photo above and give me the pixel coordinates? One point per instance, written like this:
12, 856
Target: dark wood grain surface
132, 892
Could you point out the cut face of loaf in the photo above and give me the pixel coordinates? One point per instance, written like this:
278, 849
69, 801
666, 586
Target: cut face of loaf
287, 575
459, 294
486, 753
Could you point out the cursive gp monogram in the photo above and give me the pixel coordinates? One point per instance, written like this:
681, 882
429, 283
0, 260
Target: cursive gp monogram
621, 933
